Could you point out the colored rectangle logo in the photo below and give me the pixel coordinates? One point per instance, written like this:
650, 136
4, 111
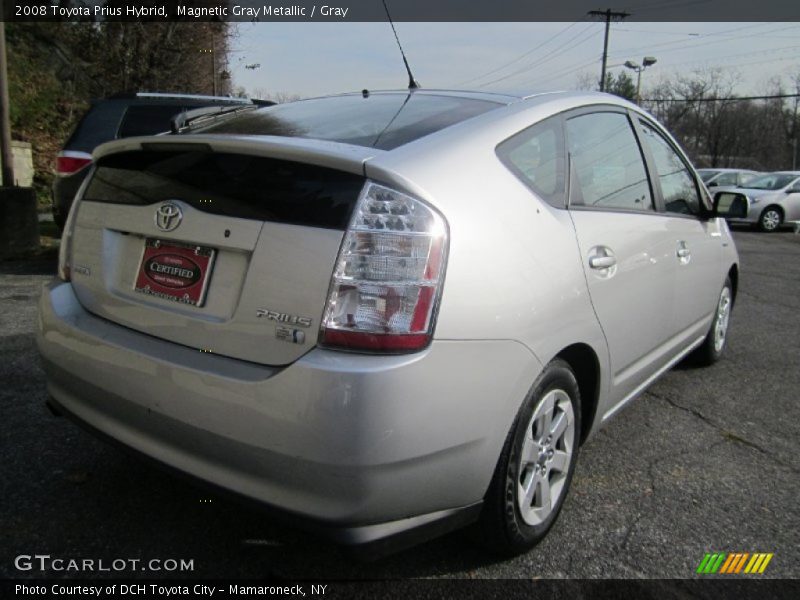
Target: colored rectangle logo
734, 563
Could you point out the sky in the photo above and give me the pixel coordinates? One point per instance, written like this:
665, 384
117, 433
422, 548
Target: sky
312, 59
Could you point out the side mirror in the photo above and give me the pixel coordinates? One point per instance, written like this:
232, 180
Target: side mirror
730, 205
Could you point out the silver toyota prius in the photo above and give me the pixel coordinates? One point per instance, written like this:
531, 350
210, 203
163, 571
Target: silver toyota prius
773, 199
387, 314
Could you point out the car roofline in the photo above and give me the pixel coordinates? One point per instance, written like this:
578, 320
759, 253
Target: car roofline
498, 97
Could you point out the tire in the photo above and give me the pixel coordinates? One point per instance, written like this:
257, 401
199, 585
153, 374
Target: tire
713, 346
771, 219
505, 527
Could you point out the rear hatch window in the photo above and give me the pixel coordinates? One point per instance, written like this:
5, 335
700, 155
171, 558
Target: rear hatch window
234, 185
381, 120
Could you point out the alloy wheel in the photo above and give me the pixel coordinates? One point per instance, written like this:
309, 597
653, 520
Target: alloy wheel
771, 219
722, 318
545, 457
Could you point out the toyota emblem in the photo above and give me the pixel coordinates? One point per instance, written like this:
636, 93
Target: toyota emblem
168, 216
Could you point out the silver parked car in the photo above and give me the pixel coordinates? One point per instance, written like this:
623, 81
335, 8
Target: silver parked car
714, 177
389, 314
773, 199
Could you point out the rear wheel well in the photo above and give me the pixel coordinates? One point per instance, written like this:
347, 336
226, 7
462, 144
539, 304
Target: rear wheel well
584, 363
777, 207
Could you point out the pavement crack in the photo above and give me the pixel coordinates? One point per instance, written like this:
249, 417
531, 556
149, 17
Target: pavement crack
762, 300
725, 433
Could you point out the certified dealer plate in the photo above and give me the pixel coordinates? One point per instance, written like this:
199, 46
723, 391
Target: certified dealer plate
175, 271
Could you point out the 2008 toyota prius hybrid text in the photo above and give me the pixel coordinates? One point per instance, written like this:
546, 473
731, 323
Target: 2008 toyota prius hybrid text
388, 314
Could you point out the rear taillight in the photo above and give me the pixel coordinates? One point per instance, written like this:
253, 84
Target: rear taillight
388, 275
69, 162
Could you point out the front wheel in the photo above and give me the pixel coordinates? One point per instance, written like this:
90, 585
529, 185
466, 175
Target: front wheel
711, 349
770, 219
535, 469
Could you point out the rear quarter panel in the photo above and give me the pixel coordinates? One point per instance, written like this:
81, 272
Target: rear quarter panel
514, 269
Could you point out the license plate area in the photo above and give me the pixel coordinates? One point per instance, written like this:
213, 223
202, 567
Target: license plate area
175, 271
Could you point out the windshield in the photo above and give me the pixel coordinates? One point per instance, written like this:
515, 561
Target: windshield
380, 120
771, 181
706, 175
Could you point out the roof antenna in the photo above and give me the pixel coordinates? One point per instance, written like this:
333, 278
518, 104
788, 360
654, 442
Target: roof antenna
412, 83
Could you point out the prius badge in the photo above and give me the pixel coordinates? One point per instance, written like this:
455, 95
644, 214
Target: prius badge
168, 216
283, 318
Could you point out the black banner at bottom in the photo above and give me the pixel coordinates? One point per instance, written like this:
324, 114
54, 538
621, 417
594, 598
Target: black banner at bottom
507, 589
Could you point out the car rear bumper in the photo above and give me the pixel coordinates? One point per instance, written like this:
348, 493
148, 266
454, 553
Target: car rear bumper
366, 446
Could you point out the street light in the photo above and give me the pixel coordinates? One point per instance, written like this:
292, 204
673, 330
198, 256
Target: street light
647, 61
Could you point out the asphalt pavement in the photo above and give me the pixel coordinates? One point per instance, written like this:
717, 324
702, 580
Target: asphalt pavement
706, 460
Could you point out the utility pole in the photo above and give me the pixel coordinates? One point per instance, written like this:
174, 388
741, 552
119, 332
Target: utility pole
5, 122
794, 127
213, 64
607, 15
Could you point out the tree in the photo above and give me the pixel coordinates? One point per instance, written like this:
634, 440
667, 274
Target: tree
622, 85
717, 128
277, 97
56, 68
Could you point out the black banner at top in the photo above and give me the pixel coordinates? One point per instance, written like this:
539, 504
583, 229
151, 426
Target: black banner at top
401, 10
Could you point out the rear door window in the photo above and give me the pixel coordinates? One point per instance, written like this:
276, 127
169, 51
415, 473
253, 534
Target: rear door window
607, 162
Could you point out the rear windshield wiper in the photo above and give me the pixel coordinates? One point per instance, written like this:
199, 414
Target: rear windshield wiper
189, 119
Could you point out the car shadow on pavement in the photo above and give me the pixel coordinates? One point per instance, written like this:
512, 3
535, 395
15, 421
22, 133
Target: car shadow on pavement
257, 543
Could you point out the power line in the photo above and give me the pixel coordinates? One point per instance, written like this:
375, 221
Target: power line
657, 32
626, 51
546, 58
555, 75
751, 53
521, 56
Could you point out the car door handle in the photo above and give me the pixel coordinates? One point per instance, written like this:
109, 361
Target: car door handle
683, 253
602, 262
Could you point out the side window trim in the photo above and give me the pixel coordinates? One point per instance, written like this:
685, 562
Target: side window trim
572, 188
651, 165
